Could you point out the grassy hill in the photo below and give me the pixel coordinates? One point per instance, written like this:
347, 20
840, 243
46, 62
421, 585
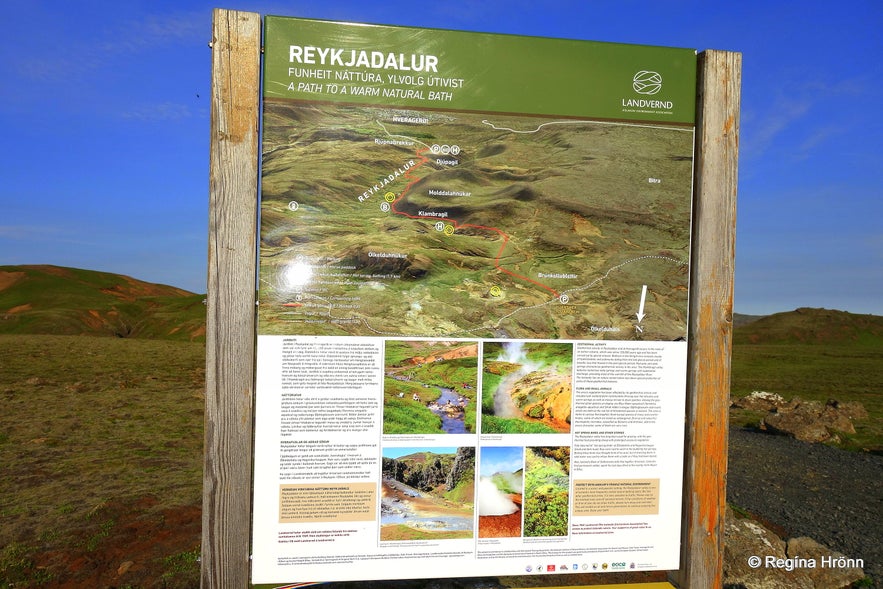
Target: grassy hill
816, 354
69, 301
813, 326
740, 319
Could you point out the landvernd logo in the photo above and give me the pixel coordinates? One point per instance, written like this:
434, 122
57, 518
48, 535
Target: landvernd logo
647, 82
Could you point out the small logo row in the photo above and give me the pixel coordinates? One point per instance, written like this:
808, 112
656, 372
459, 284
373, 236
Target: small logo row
604, 566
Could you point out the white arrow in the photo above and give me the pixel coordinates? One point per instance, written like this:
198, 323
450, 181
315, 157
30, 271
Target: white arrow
640, 313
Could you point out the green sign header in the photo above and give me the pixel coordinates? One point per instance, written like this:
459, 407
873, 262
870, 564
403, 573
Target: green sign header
440, 69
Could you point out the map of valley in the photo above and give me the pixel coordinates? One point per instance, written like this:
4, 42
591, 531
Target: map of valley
386, 222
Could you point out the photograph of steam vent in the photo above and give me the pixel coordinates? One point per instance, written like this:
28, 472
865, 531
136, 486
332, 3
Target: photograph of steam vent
546, 491
526, 388
427, 493
429, 387
500, 492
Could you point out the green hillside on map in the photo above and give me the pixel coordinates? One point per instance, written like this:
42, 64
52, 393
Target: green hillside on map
390, 222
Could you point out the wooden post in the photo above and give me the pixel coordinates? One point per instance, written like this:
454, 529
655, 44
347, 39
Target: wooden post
230, 322
711, 320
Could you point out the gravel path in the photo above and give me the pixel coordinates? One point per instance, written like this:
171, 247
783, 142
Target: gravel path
832, 496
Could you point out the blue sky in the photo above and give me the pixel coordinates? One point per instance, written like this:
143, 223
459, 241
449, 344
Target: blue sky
496, 459
104, 108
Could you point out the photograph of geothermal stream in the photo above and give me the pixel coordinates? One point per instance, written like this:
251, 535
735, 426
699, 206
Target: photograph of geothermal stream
526, 387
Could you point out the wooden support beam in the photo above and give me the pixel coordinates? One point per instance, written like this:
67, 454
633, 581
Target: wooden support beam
230, 322
711, 319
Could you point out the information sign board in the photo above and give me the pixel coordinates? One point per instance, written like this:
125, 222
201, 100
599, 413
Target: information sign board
472, 307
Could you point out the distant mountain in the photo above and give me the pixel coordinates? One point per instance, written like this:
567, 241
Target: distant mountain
70, 301
812, 326
740, 319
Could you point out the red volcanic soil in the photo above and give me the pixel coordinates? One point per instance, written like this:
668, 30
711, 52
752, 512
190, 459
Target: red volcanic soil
135, 551
468, 351
501, 526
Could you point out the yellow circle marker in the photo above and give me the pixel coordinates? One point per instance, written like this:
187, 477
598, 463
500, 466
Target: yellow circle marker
389, 196
496, 291
449, 230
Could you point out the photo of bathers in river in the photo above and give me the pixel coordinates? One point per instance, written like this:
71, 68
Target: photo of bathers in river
429, 387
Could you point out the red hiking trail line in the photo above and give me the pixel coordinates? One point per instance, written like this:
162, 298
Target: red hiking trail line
456, 224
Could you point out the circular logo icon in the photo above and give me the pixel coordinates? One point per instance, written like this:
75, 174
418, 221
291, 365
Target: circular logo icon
647, 82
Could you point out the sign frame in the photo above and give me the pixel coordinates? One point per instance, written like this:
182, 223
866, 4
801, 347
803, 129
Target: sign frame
230, 326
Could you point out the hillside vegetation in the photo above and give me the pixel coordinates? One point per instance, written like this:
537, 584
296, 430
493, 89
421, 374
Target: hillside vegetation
70, 301
813, 326
101, 445
815, 354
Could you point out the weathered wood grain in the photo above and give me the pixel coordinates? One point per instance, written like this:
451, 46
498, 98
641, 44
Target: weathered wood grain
230, 322
711, 319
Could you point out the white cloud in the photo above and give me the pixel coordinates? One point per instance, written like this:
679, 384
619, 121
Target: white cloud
42, 234
795, 105
25, 231
164, 111
156, 30
500, 460
817, 138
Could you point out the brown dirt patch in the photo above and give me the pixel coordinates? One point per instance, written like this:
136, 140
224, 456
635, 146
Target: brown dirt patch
134, 545
54, 270
19, 308
583, 227
7, 279
135, 289
93, 319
